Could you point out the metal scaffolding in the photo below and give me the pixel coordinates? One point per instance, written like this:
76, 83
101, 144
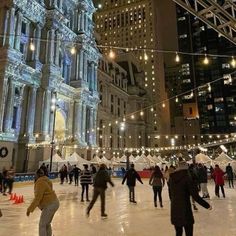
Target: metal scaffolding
218, 14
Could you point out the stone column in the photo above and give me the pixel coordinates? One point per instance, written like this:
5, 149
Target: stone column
3, 99
3, 20
57, 47
77, 120
10, 28
50, 46
91, 126
18, 30
39, 113
95, 78
83, 123
81, 64
31, 111
7, 123
46, 111
85, 76
85, 22
37, 41
81, 16
20, 108
70, 119
95, 127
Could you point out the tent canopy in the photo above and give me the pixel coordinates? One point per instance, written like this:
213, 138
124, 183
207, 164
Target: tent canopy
55, 158
202, 158
223, 158
96, 159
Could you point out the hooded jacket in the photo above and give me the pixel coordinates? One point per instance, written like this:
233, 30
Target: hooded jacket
101, 179
218, 175
181, 188
43, 194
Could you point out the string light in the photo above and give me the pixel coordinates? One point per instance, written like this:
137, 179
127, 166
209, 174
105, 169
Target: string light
112, 55
73, 50
145, 56
163, 105
191, 94
209, 88
206, 60
141, 113
233, 62
132, 116
32, 47
177, 58
176, 99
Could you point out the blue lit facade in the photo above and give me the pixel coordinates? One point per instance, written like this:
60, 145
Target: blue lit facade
37, 65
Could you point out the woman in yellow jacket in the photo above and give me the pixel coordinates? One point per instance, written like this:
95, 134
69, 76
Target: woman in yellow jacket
46, 200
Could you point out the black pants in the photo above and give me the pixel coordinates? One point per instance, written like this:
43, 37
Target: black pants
217, 190
131, 193
85, 187
71, 177
188, 230
96, 193
157, 190
76, 180
62, 177
231, 182
10, 185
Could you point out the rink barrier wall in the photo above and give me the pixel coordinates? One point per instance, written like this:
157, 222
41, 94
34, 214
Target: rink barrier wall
25, 177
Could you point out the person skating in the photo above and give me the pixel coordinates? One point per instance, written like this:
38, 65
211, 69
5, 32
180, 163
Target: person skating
85, 181
71, 173
44, 168
157, 182
46, 200
100, 185
4, 181
218, 175
170, 170
182, 187
76, 172
230, 175
62, 174
130, 177
202, 173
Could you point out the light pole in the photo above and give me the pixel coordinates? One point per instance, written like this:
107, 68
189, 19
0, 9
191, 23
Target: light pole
53, 112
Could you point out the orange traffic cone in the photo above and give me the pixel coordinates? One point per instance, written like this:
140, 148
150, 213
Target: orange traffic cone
21, 199
17, 200
14, 197
11, 197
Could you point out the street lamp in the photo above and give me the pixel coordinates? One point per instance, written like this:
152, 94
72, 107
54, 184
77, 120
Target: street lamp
53, 112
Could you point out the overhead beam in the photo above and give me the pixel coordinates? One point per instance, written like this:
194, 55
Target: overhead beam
221, 18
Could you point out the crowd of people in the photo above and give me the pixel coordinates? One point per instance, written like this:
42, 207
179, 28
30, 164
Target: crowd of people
185, 184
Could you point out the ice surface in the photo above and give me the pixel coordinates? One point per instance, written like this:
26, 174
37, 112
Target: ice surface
123, 218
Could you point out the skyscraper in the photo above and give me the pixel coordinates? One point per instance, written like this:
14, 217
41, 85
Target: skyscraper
135, 25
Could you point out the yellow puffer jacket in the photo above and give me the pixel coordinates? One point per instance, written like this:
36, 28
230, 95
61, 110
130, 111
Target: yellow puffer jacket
43, 194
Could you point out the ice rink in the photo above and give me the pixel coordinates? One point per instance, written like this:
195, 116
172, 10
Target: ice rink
123, 218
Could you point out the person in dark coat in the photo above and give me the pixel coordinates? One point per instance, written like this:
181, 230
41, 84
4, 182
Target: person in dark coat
202, 173
230, 175
182, 188
130, 178
100, 185
45, 169
85, 181
76, 172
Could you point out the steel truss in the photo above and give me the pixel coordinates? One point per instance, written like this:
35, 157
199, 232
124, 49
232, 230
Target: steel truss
218, 14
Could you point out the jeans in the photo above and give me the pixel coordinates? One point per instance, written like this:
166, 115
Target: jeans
76, 180
157, 190
46, 217
204, 189
131, 194
231, 182
96, 193
188, 230
85, 187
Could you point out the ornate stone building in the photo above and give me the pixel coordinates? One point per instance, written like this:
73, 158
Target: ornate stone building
48, 79
121, 121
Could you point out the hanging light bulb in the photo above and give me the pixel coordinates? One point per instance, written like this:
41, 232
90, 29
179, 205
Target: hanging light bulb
206, 60
141, 113
152, 109
32, 47
163, 105
233, 62
132, 117
145, 56
112, 55
191, 94
176, 99
209, 88
177, 58
73, 50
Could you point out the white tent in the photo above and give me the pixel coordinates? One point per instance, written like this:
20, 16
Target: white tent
151, 160
96, 160
75, 159
57, 162
104, 160
123, 159
223, 159
202, 158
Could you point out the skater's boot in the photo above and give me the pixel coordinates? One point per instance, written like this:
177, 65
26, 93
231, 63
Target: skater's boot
104, 215
195, 208
161, 205
82, 200
155, 203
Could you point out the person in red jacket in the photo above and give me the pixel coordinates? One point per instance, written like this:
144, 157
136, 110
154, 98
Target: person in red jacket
218, 176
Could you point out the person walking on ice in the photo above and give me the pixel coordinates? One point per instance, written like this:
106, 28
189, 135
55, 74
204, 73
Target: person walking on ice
46, 200
130, 177
100, 185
